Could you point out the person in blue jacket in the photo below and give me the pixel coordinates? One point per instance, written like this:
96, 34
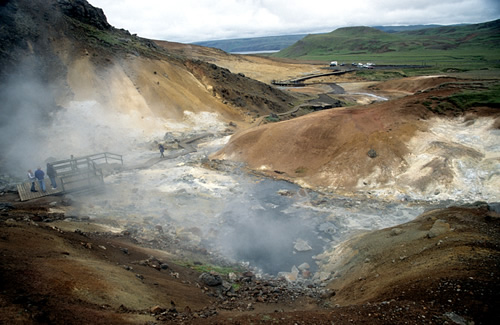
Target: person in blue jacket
162, 149
39, 175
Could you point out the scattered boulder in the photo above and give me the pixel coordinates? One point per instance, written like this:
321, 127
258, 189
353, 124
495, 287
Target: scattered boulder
82, 11
322, 276
457, 319
5, 207
372, 153
304, 266
438, 228
157, 310
290, 276
396, 231
302, 246
67, 200
211, 279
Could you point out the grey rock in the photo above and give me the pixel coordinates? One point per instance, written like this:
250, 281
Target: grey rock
372, 153
438, 228
396, 231
211, 280
455, 318
304, 266
302, 246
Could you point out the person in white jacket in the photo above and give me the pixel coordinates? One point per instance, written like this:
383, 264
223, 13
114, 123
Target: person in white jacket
31, 177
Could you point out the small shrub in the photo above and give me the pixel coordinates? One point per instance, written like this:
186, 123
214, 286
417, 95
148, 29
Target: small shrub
427, 104
272, 119
301, 170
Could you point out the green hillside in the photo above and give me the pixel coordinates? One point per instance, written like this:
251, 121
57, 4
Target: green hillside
268, 43
476, 45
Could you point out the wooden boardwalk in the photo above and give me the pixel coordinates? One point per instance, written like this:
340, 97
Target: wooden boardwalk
25, 193
298, 82
186, 146
74, 174
81, 173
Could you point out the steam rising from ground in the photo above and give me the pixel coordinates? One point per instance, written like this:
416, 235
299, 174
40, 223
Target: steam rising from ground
25, 106
245, 218
33, 129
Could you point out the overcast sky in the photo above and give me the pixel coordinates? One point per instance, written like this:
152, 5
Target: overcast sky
189, 21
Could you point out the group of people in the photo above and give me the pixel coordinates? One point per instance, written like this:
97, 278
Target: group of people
39, 176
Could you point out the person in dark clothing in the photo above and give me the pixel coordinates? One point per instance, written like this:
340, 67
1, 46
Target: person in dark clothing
32, 179
162, 149
39, 174
51, 172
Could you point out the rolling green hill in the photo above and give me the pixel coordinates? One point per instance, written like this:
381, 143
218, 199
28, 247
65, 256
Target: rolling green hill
269, 43
475, 45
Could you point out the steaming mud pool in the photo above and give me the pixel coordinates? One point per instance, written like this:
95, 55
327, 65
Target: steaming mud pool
271, 226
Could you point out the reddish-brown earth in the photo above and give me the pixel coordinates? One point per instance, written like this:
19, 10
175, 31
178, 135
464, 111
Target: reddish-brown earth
441, 267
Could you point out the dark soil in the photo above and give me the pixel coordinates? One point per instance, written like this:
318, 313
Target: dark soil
77, 272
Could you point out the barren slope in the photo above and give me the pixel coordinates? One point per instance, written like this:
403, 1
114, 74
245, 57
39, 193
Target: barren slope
394, 147
78, 56
256, 67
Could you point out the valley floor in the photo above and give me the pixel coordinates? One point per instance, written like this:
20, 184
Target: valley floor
441, 268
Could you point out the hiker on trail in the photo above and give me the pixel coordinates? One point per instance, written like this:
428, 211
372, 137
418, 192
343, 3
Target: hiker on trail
39, 174
51, 172
32, 179
162, 149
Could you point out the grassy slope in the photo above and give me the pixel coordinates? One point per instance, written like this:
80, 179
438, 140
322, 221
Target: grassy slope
473, 46
269, 43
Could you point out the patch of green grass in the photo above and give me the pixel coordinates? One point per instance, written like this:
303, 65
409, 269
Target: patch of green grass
461, 102
114, 38
266, 318
466, 100
427, 104
380, 75
272, 119
207, 268
300, 170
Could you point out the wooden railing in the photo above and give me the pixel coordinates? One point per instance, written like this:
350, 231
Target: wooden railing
79, 173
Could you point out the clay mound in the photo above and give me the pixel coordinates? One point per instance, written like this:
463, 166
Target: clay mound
392, 148
332, 148
426, 259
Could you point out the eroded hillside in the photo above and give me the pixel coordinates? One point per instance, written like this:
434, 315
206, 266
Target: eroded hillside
82, 58
394, 148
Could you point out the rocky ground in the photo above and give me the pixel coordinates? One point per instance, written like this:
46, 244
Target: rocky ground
441, 268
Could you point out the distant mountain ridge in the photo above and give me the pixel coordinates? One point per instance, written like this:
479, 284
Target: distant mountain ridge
280, 42
464, 40
253, 44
